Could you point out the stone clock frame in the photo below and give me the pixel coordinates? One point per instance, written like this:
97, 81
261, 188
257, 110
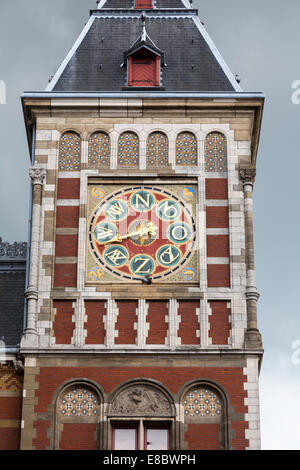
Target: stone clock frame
171, 251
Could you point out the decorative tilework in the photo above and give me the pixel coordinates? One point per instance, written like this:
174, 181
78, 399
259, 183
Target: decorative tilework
200, 401
9, 382
79, 401
157, 150
99, 150
69, 152
128, 155
186, 149
216, 152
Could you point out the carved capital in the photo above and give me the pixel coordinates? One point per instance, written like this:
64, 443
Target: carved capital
247, 175
18, 367
37, 175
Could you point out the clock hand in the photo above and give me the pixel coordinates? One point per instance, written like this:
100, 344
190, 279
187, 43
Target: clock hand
149, 230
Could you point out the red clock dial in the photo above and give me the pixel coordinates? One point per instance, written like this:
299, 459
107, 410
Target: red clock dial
142, 232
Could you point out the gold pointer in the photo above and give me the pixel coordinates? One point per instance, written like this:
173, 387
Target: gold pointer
141, 232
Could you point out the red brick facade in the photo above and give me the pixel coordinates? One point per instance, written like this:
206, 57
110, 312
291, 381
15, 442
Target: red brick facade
127, 317
219, 322
173, 378
156, 318
10, 408
189, 322
95, 311
78, 436
63, 325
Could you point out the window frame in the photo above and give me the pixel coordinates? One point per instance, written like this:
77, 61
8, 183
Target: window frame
141, 425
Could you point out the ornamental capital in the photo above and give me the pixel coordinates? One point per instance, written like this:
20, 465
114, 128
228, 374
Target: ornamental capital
247, 175
37, 175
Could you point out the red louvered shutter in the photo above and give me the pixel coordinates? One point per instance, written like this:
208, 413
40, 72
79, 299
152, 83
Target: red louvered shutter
143, 72
143, 4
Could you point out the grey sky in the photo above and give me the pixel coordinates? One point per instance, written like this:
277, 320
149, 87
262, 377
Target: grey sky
259, 41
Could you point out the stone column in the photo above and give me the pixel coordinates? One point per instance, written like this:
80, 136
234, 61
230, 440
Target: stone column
252, 335
30, 335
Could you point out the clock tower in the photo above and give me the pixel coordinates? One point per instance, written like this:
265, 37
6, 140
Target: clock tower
141, 319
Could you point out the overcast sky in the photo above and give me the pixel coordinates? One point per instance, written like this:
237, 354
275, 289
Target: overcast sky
259, 41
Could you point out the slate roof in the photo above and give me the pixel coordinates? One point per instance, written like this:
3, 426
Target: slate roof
156, 4
94, 63
12, 287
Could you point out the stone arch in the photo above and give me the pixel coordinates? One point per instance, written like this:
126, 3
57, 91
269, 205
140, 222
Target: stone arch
141, 407
128, 150
77, 413
69, 151
215, 152
99, 150
157, 149
204, 410
141, 398
186, 149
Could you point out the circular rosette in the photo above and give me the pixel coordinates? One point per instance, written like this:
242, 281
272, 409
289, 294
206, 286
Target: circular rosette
142, 265
180, 233
116, 255
105, 232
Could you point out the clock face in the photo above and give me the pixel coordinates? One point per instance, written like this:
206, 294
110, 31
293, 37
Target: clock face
137, 232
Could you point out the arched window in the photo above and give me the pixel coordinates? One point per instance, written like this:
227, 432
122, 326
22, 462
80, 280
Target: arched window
157, 150
141, 417
202, 401
204, 414
99, 150
128, 155
77, 418
69, 152
216, 152
186, 149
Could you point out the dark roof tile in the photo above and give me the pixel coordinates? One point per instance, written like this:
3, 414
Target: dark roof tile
191, 65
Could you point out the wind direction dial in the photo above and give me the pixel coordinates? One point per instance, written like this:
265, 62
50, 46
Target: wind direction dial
142, 231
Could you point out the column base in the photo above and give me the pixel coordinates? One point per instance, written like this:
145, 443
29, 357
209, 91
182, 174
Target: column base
253, 339
30, 339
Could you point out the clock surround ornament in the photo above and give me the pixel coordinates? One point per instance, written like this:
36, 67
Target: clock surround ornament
138, 232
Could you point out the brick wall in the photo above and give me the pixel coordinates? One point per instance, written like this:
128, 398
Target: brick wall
203, 436
219, 322
217, 217
189, 322
173, 378
94, 326
63, 325
156, 318
78, 436
66, 245
126, 319
10, 408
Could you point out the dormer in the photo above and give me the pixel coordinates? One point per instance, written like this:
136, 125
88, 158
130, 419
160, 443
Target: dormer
144, 61
143, 4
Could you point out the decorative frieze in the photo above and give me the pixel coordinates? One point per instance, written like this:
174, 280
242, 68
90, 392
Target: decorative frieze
13, 250
141, 400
